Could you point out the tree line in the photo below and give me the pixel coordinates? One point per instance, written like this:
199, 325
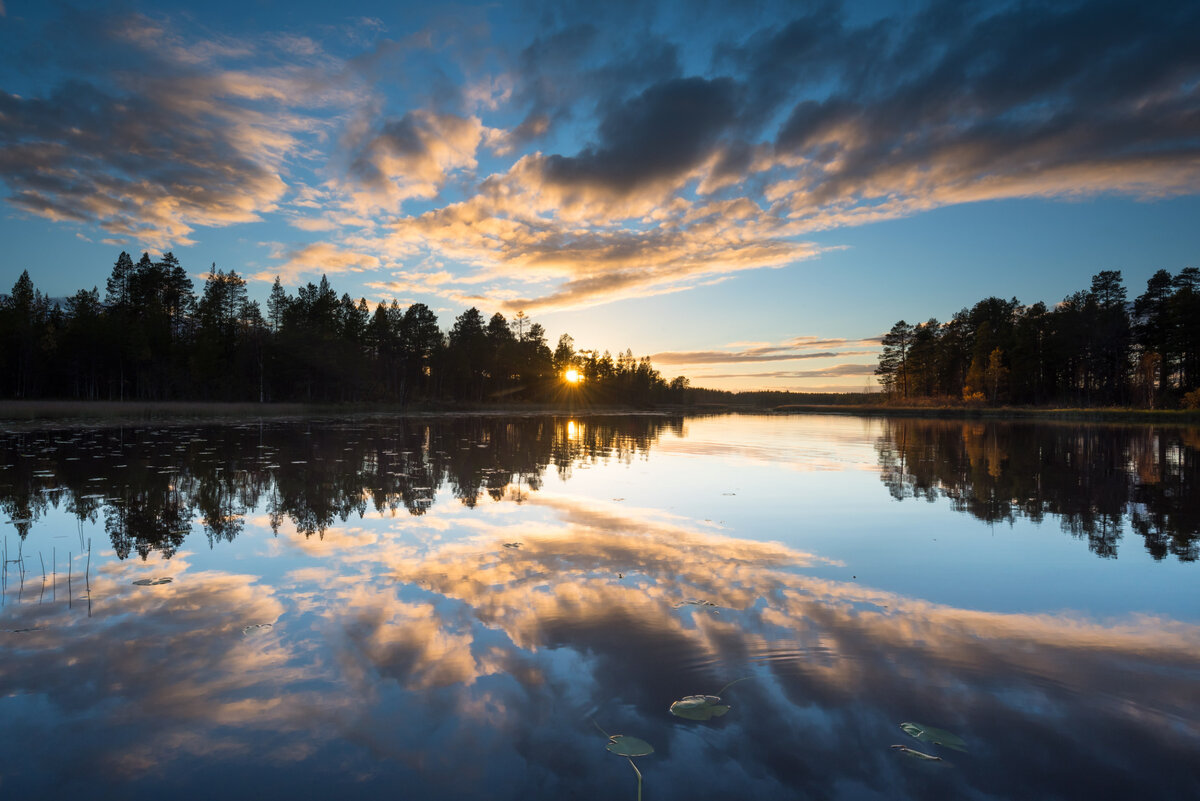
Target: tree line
151, 337
1095, 348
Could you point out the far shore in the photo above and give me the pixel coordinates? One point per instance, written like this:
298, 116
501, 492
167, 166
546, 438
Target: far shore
63, 412
1074, 414
70, 412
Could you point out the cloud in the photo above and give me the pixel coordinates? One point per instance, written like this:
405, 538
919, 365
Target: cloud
87, 155
793, 349
837, 371
663, 133
411, 157
753, 355
862, 123
173, 140
557, 75
317, 257
967, 104
627, 155
504, 232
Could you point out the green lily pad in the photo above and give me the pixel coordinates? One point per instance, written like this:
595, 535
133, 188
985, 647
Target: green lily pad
929, 734
699, 707
153, 582
626, 746
908, 752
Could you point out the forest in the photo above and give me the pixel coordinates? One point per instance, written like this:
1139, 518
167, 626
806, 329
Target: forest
150, 337
1095, 348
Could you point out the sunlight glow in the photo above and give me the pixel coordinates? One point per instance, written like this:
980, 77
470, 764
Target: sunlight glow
572, 376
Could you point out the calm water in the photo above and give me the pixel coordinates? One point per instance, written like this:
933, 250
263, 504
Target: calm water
455, 608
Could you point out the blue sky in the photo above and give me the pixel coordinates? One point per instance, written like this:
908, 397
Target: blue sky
752, 193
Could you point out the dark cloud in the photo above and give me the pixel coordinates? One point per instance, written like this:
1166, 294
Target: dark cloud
798, 56
957, 102
663, 132
559, 77
964, 104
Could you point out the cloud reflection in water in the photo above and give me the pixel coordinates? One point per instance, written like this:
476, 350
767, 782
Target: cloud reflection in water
464, 669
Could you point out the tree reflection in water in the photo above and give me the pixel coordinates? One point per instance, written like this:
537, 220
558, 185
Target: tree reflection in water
1094, 479
149, 483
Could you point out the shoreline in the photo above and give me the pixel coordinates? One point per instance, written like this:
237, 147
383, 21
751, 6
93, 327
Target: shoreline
1069, 414
60, 413
69, 413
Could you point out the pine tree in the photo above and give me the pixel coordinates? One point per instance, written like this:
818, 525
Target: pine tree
893, 359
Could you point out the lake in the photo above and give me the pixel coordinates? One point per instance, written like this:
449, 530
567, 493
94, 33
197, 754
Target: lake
496, 607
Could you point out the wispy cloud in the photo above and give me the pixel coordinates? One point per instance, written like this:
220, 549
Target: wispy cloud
118, 165
837, 371
176, 138
315, 258
796, 348
726, 357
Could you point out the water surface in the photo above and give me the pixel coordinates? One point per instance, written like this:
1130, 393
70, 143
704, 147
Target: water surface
455, 608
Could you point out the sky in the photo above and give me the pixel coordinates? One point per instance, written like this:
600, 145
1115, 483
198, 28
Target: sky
749, 192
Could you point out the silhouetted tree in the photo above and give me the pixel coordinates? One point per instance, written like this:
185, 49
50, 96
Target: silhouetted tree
152, 338
893, 359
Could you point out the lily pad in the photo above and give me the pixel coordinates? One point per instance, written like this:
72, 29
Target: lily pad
929, 734
153, 582
626, 746
693, 602
699, 707
909, 752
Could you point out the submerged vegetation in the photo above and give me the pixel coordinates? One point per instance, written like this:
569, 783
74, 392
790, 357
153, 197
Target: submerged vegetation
151, 338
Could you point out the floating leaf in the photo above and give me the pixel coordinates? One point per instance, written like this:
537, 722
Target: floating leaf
928, 734
255, 628
512, 545
626, 746
699, 707
699, 602
908, 752
153, 582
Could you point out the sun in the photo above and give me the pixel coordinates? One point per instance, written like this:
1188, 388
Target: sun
572, 376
